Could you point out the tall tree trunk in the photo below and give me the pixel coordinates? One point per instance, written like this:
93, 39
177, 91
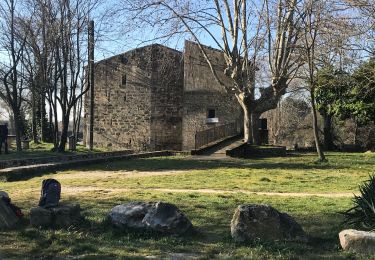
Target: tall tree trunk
50, 123
319, 150
74, 120
355, 131
246, 124
56, 126
79, 112
328, 137
17, 128
64, 133
255, 128
43, 116
34, 117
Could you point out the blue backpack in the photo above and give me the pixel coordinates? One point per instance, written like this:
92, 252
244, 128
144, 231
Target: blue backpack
50, 194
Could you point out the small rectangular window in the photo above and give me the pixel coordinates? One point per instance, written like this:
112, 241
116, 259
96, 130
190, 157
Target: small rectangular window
211, 117
211, 113
123, 80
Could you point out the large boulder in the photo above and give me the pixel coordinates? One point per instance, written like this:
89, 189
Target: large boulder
156, 216
263, 222
357, 241
7, 217
57, 217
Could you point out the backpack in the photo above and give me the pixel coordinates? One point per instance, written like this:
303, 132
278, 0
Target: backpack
50, 194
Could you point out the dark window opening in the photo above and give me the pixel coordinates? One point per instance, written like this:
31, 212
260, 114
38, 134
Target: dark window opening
125, 97
123, 80
124, 60
211, 113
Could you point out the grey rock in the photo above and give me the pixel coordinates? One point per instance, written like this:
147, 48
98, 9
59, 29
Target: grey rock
3, 194
263, 222
7, 217
357, 241
156, 216
57, 217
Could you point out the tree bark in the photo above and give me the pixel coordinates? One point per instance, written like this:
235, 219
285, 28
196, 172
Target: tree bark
34, 117
255, 128
17, 128
64, 133
56, 127
246, 125
355, 132
328, 137
319, 150
43, 117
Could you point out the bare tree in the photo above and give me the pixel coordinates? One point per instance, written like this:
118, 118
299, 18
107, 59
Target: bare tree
246, 32
70, 60
13, 82
365, 19
328, 40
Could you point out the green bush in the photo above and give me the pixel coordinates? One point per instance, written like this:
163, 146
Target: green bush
362, 214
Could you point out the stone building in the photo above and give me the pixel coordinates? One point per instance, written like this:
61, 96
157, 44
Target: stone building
157, 98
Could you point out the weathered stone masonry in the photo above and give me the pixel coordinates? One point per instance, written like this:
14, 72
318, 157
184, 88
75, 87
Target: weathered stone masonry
156, 98
202, 92
133, 108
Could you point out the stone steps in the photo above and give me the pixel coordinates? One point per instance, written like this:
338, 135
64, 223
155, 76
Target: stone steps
216, 146
30, 171
229, 146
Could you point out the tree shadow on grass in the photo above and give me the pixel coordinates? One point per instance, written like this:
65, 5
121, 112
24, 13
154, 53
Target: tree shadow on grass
160, 164
164, 164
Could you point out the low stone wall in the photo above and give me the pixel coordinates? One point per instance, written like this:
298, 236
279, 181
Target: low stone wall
64, 158
251, 151
30, 171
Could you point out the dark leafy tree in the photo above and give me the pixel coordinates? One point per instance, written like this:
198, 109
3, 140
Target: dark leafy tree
332, 91
345, 96
362, 102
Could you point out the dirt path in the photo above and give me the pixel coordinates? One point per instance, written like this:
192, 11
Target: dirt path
81, 189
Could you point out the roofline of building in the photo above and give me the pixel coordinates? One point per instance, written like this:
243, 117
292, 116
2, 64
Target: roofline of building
136, 49
204, 46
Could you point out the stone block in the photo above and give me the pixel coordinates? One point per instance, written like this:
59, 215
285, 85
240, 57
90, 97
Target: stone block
40, 217
57, 217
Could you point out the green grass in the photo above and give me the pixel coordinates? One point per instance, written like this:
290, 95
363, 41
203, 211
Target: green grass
41, 150
210, 213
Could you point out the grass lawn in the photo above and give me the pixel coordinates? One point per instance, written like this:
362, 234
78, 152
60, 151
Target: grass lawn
40, 150
204, 191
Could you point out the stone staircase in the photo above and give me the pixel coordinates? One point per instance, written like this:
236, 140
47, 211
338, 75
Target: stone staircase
219, 150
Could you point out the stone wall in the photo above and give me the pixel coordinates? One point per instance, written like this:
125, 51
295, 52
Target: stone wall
135, 106
202, 92
156, 98
166, 99
122, 112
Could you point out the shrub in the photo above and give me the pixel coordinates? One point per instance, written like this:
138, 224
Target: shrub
362, 214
